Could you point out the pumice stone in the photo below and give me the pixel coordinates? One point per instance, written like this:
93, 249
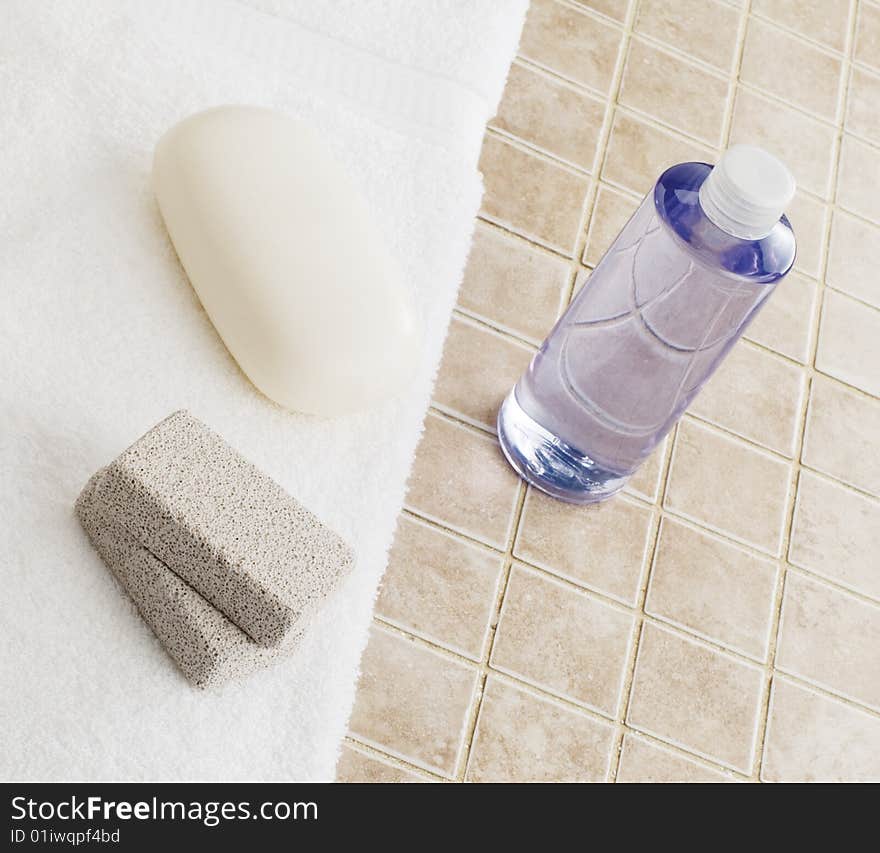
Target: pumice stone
208, 648
286, 259
224, 527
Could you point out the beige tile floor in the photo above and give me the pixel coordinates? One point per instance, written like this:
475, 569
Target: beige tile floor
721, 620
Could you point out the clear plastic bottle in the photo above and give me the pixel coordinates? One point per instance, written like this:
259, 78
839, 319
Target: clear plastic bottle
677, 288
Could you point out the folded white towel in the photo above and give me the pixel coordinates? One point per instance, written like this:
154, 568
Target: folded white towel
101, 336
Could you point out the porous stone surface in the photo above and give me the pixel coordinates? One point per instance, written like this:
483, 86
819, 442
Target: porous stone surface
224, 527
209, 649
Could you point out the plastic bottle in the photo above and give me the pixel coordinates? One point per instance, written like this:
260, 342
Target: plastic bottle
685, 276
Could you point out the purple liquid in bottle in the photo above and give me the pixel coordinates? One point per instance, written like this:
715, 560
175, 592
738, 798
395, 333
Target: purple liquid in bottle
654, 320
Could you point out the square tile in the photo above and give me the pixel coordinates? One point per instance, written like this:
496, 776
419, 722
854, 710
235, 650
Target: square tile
704, 29
861, 107
536, 198
867, 48
857, 160
571, 44
512, 285
460, 479
695, 697
825, 21
712, 588
854, 257
521, 738
841, 435
551, 115
638, 153
644, 761
808, 215
603, 547
412, 703
849, 342
439, 587
357, 766
563, 641
646, 480
813, 738
831, 638
804, 144
836, 534
674, 92
755, 394
729, 486
611, 211
791, 69
478, 369
785, 322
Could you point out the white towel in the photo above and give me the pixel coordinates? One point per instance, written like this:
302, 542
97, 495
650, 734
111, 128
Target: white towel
101, 336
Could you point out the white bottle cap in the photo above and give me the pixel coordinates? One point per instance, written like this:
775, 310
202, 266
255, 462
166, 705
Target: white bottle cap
747, 192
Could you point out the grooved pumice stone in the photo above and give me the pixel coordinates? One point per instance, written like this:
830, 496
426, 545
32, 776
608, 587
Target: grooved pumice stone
286, 258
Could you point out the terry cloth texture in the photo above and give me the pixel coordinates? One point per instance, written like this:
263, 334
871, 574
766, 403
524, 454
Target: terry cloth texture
101, 336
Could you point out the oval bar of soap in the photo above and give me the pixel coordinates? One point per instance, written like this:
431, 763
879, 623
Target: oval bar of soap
286, 259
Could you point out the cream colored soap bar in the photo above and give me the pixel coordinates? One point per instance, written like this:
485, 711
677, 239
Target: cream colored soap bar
286, 259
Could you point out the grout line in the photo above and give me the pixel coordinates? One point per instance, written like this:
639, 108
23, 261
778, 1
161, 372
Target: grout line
393, 760
640, 616
489, 326
522, 238
489, 642
794, 483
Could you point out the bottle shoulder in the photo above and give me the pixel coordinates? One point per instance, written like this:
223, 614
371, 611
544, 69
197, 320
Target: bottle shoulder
676, 201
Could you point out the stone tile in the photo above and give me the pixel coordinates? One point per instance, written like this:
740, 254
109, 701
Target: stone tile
646, 480
523, 738
412, 703
638, 153
479, 368
803, 143
841, 435
756, 395
461, 479
563, 641
615, 9
861, 108
695, 697
867, 48
813, 738
854, 192
785, 323
831, 638
572, 44
534, 197
703, 29
674, 92
808, 216
611, 211
512, 285
712, 589
854, 257
644, 761
550, 115
836, 534
729, 486
357, 766
849, 342
825, 21
791, 69
602, 547
439, 587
